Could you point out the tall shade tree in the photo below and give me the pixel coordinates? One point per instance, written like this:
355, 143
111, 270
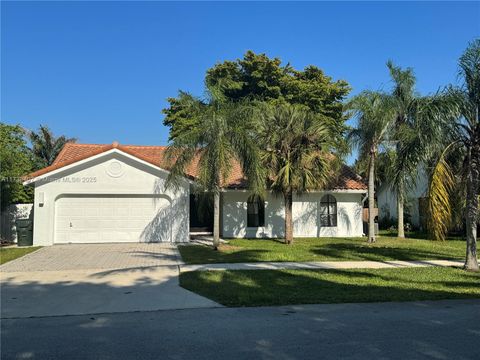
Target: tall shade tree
465, 132
261, 78
16, 160
219, 134
375, 115
296, 147
46, 146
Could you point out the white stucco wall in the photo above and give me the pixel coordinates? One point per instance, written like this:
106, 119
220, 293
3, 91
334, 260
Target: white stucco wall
102, 176
234, 216
306, 216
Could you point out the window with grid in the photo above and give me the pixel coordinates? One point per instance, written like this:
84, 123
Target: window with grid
255, 212
328, 211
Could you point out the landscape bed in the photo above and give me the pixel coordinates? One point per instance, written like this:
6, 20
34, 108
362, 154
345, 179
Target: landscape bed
287, 287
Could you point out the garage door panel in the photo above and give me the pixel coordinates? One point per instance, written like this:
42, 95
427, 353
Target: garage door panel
112, 219
91, 212
73, 210
124, 211
104, 211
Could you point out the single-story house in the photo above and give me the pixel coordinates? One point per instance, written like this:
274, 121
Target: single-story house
116, 193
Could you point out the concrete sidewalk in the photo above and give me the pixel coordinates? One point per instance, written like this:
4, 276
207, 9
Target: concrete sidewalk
321, 265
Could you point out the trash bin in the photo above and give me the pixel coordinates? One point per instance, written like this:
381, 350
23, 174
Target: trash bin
24, 232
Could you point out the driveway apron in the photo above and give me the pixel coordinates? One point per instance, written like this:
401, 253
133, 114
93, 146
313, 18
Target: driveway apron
95, 278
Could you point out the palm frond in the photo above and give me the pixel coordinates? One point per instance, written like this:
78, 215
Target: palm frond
470, 71
439, 205
295, 148
220, 135
45, 145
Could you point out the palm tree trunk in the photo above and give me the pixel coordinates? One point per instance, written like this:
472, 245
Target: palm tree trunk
371, 198
288, 196
471, 262
400, 224
216, 220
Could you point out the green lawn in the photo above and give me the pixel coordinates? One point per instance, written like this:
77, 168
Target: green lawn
323, 249
284, 287
12, 253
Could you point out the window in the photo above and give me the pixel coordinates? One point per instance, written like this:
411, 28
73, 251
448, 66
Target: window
255, 212
328, 211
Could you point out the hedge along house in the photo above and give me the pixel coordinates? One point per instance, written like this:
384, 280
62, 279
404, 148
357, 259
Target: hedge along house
116, 193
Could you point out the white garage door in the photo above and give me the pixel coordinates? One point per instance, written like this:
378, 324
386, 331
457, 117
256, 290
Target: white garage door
112, 218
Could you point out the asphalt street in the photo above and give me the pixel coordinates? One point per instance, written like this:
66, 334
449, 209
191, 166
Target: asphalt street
415, 330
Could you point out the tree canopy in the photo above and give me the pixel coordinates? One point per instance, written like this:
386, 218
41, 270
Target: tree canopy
257, 77
46, 146
16, 161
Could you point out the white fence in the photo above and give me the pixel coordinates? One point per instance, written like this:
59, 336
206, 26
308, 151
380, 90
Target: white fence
8, 217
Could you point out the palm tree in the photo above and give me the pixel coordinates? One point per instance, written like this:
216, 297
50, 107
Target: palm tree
465, 136
46, 146
469, 100
295, 153
374, 113
220, 133
417, 130
403, 97
383, 164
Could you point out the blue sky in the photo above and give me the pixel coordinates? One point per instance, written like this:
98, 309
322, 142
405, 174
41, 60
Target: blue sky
101, 71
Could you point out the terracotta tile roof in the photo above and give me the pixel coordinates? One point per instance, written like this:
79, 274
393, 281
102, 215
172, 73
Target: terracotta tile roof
154, 155
349, 180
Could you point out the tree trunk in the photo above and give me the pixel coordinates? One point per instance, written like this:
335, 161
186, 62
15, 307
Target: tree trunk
473, 163
216, 220
288, 196
400, 191
371, 199
400, 225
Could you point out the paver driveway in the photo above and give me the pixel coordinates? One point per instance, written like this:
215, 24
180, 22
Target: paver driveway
96, 256
95, 278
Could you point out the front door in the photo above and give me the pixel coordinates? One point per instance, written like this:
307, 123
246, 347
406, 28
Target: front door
201, 213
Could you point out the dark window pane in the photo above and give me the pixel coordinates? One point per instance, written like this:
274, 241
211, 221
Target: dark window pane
333, 220
261, 213
255, 212
324, 220
252, 220
332, 208
328, 211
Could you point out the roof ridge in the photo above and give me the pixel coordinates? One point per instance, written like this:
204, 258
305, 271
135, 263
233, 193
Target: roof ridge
125, 145
87, 144
146, 146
